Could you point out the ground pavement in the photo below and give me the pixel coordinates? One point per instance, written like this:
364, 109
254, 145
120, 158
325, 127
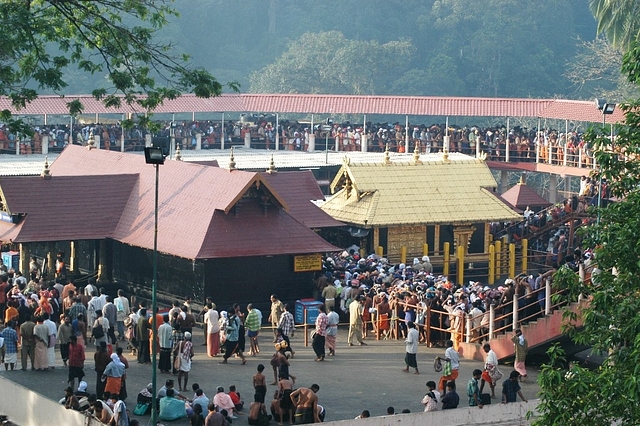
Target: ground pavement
357, 378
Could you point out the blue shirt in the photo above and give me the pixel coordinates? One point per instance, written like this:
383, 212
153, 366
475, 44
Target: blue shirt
10, 340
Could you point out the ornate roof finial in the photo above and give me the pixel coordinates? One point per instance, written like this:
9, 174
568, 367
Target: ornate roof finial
387, 158
272, 166
232, 161
46, 173
346, 161
522, 180
416, 154
91, 142
178, 153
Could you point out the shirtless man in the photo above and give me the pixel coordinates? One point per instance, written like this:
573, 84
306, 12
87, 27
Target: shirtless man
306, 402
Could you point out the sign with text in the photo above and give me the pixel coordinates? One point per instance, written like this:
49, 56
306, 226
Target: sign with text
309, 262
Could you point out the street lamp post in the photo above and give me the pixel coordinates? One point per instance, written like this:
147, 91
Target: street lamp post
154, 155
606, 109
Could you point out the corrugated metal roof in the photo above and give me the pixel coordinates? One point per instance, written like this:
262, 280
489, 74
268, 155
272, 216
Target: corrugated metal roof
67, 207
298, 189
521, 195
340, 104
253, 232
433, 192
189, 195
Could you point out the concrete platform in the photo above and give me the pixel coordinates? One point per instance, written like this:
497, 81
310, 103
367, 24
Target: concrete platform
357, 378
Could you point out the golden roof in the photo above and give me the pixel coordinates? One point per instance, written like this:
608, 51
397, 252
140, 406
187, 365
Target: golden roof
409, 193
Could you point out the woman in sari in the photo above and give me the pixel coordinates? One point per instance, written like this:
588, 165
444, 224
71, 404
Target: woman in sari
113, 375
41, 332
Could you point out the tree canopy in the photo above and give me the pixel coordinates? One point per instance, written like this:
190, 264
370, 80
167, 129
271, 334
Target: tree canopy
44, 41
609, 394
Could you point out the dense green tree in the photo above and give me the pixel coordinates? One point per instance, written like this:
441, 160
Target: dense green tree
618, 20
328, 62
610, 394
113, 40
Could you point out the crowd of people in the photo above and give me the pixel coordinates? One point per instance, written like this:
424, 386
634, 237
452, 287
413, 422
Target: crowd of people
371, 294
546, 145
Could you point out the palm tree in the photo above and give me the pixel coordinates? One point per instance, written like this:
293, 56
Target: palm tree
618, 20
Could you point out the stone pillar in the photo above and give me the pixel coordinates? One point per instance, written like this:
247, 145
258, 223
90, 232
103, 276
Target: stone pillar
247, 140
96, 139
567, 186
436, 240
198, 141
147, 140
553, 188
51, 266
504, 181
363, 143
45, 145
102, 263
122, 142
73, 257
312, 142
25, 255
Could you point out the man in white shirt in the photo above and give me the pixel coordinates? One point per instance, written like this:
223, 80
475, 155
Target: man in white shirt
122, 306
411, 343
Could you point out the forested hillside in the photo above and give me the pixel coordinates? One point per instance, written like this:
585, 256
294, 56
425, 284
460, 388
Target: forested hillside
505, 48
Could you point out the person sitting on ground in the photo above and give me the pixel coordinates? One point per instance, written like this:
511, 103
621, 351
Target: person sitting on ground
223, 401
70, 400
196, 418
235, 397
451, 398
199, 399
258, 412
171, 408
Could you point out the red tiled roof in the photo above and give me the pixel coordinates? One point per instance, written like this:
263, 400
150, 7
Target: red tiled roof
521, 196
66, 207
342, 104
190, 197
254, 233
298, 189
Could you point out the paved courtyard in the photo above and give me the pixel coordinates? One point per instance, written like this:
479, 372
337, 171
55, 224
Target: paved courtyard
357, 378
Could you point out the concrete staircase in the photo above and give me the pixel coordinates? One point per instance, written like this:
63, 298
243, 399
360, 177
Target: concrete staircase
538, 332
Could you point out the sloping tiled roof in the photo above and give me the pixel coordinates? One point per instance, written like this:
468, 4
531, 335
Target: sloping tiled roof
340, 104
189, 195
407, 194
521, 195
67, 207
298, 189
256, 233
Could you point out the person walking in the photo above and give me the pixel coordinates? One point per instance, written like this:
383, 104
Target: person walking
356, 308
491, 374
76, 361
332, 330
511, 388
252, 323
28, 349
452, 364
232, 344
212, 325
521, 347
320, 334
274, 317
184, 355
411, 343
